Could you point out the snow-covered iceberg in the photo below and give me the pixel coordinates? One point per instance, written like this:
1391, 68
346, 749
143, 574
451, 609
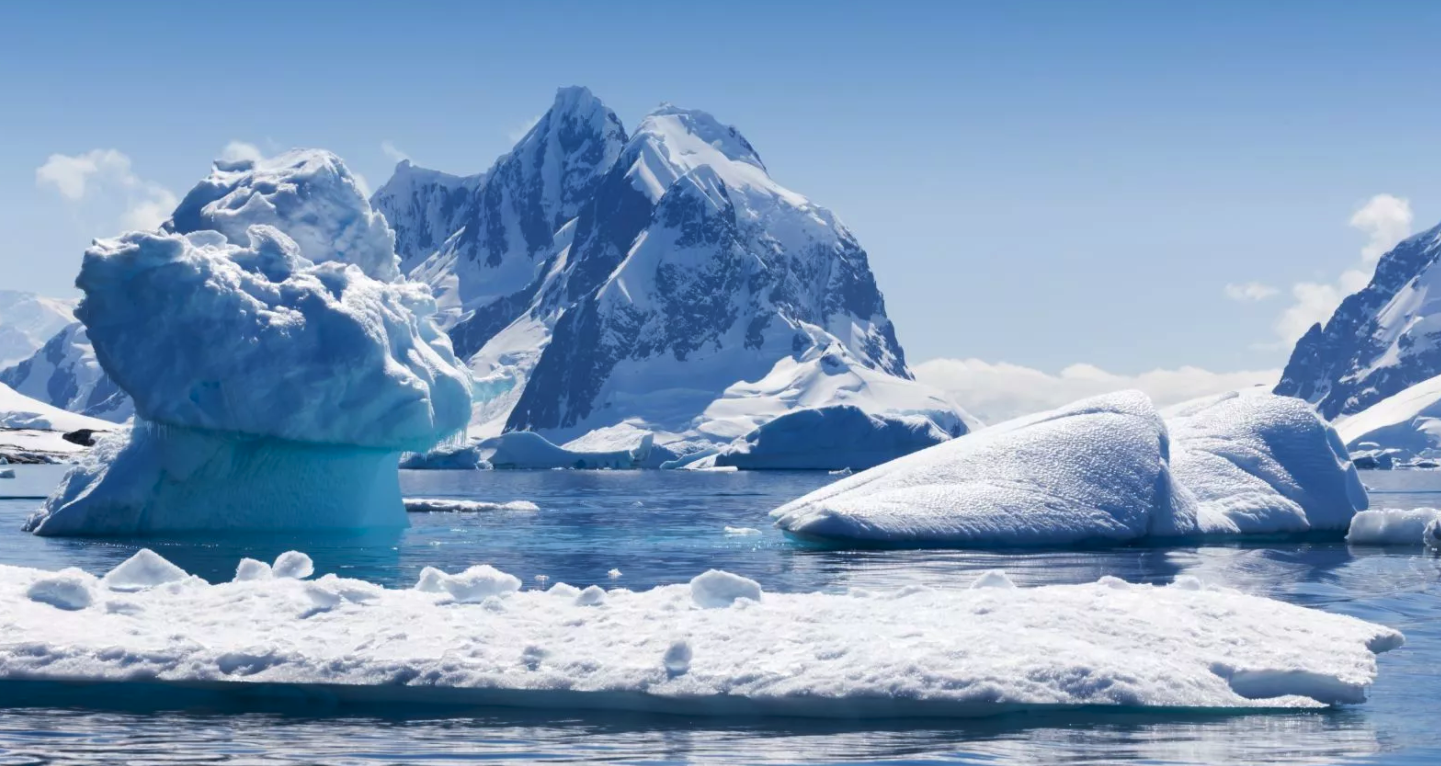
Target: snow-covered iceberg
1396, 526
1105, 469
718, 645
1258, 463
275, 380
830, 438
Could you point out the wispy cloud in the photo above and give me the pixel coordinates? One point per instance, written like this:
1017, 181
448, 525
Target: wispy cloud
107, 173
996, 391
519, 133
240, 150
1250, 292
393, 152
1386, 220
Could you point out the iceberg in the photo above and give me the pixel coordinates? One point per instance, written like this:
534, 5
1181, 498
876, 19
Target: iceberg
1109, 469
1396, 526
478, 638
1258, 463
275, 381
830, 438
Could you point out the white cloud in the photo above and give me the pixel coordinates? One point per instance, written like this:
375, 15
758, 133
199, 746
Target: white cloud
1386, 220
74, 176
1250, 291
393, 152
1000, 390
519, 133
240, 150
106, 174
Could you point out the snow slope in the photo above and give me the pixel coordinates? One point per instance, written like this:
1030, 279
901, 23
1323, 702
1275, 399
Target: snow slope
28, 425
718, 645
64, 373
1408, 421
1380, 340
1105, 469
275, 391
28, 320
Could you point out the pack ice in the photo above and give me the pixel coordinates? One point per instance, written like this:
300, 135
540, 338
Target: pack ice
1105, 469
475, 637
277, 364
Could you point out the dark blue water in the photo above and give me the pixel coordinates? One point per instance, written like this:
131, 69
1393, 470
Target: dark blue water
665, 527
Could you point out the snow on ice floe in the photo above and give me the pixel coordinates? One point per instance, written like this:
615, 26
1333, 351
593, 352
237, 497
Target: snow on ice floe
1262, 464
451, 505
476, 638
276, 373
1396, 526
1105, 469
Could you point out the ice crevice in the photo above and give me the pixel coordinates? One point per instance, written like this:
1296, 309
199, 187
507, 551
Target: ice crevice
717, 645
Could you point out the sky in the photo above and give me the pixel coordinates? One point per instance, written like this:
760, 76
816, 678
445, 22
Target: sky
1069, 190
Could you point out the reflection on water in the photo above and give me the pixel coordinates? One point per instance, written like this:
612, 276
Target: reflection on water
665, 527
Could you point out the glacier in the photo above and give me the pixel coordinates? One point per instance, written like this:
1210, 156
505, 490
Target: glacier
1110, 469
275, 381
660, 280
477, 637
1402, 427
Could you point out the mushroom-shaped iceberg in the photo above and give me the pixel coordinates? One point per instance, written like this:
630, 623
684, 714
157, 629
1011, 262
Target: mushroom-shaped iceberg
278, 364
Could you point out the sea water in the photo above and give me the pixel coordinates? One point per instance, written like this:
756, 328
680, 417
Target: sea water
638, 529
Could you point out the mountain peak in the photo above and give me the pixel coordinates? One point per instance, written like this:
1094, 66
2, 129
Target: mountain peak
683, 128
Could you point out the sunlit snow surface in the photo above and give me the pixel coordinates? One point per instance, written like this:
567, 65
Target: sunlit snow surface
476, 637
1105, 469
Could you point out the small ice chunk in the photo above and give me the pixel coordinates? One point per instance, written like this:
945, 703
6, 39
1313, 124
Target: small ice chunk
1392, 526
7, 473
293, 565
1432, 534
717, 589
472, 586
448, 505
146, 569
613, 574
677, 658
1187, 582
741, 531
251, 569
993, 578
68, 589
592, 596
563, 589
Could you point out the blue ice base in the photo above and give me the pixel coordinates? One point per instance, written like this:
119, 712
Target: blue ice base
168, 480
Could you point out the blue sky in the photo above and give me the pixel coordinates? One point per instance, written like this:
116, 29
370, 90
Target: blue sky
1041, 184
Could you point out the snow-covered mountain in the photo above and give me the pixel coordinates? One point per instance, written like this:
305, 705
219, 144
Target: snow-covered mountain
28, 320
65, 374
480, 241
1381, 340
663, 280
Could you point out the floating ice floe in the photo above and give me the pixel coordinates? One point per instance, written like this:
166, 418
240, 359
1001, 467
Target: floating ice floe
1105, 469
1395, 526
449, 505
277, 373
477, 638
838, 437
